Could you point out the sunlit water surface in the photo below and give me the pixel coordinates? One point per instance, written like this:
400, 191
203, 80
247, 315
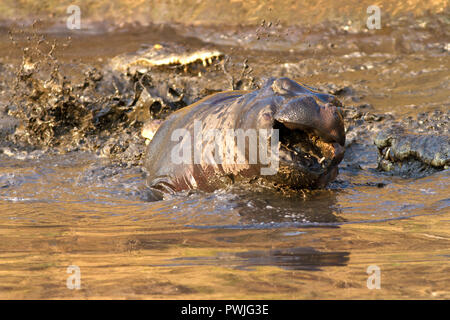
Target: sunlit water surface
78, 210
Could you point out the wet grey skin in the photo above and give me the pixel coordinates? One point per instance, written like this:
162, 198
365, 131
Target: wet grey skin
311, 139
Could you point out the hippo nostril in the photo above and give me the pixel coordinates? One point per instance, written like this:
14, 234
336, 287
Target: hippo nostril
336, 109
331, 123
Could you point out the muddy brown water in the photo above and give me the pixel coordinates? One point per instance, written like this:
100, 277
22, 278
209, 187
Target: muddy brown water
78, 209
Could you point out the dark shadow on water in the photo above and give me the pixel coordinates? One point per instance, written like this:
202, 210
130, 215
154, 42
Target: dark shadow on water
300, 258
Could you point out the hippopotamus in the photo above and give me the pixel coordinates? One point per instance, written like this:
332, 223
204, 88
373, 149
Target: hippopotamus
284, 135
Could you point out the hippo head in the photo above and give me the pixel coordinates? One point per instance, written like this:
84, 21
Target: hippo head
311, 134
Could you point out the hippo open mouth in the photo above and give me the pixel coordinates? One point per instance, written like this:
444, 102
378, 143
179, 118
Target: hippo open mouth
311, 136
306, 149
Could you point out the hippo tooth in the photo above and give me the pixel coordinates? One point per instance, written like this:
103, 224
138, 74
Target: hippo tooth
386, 155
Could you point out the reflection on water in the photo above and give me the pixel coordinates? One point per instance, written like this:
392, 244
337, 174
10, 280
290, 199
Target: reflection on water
76, 209
289, 259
